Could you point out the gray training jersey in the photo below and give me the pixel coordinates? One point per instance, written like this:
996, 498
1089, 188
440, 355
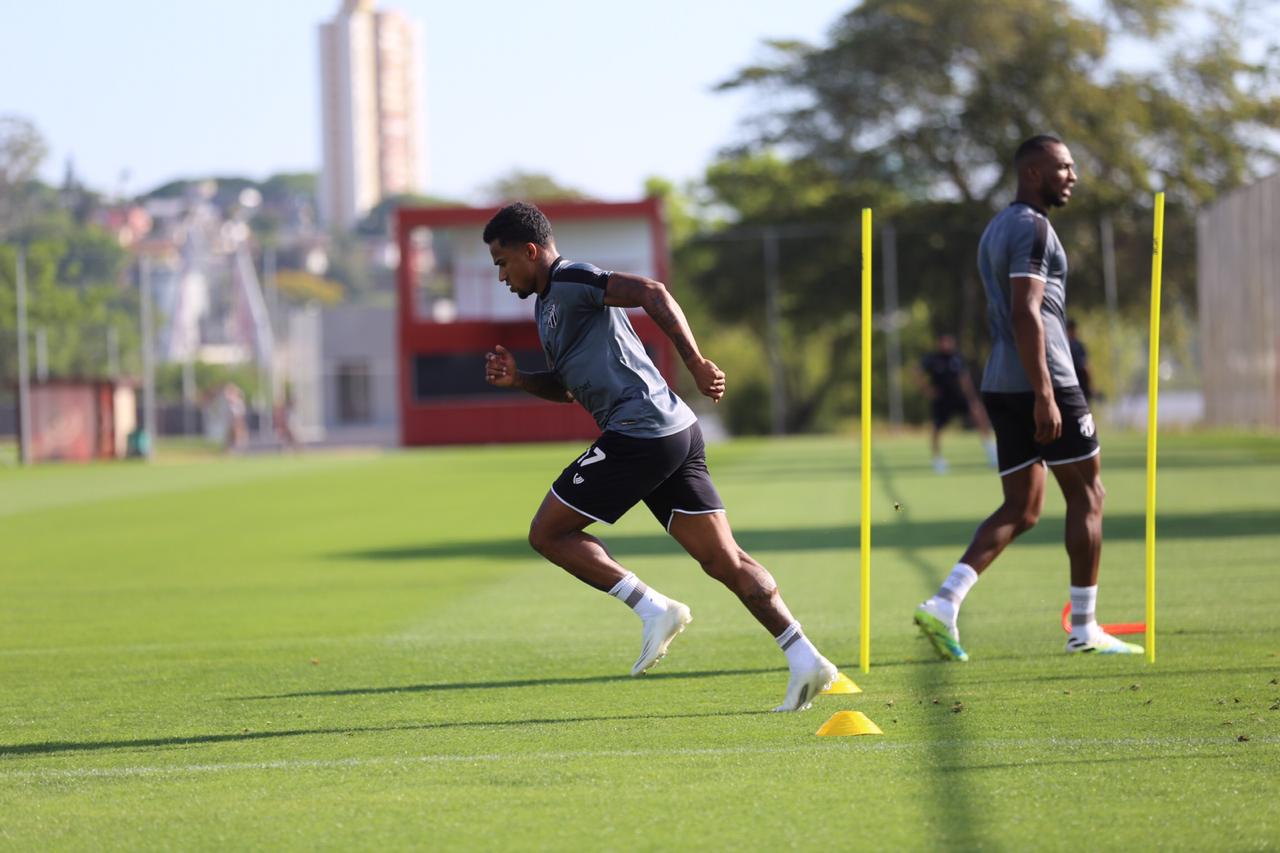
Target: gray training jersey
1019, 241
596, 354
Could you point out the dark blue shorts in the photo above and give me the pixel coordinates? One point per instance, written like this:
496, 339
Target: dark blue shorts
618, 471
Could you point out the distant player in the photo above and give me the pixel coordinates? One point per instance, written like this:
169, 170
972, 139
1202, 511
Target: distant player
951, 394
650, 448
1033, 398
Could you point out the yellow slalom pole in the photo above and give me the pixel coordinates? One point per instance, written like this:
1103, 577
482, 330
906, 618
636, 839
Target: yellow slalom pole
864, 637
1153, 390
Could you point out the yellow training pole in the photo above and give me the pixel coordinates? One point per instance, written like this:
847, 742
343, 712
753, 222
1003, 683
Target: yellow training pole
1153, 390
864, 638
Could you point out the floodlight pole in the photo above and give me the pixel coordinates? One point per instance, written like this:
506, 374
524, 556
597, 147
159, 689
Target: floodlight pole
24, 379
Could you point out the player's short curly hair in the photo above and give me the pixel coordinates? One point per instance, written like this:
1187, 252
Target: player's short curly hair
520, 222
1033, 146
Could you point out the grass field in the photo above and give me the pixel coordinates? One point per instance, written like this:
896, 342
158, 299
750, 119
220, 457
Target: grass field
361, 651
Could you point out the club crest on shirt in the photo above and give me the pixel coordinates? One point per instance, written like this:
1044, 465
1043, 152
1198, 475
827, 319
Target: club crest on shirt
551, 315
1086, 424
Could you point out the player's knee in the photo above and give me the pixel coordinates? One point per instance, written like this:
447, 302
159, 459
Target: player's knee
540, 538
1025, 517
723, 565
1092, 498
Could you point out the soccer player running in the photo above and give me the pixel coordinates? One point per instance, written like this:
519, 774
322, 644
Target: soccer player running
650, 448
1036, 407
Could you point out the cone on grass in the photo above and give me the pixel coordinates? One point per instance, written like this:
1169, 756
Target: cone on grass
842, 684
847, 723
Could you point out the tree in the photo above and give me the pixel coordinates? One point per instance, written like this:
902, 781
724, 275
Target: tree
377, 222
519, 185
934, 95
287, 186
22, 150
302, 287
914, 107
75, 318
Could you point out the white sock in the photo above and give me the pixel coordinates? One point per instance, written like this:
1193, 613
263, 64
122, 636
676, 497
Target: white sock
796, 646
1084, 601
632, 592
953, 590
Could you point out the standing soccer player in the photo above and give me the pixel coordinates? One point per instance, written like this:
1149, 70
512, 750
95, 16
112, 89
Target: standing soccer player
1036, 407
650, 448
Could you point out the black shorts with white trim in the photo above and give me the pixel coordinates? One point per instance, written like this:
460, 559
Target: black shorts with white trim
618, 471
1014, 423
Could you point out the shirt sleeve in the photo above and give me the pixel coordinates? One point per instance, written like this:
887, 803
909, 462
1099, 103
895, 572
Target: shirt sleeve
1028, 249
593, 281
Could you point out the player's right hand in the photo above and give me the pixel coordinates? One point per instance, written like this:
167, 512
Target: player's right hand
500, 367
1048, 420
709, 377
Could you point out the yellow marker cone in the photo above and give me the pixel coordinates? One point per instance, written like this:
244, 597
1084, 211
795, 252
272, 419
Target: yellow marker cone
842, 684
844, 723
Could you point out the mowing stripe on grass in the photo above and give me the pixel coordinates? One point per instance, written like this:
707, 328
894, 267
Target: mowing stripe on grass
851, 746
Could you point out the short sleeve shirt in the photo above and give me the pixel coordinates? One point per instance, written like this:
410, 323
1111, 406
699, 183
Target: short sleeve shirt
1019, 242
944, 371
597, 355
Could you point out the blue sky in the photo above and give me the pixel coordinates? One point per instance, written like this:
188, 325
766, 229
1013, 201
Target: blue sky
599, 94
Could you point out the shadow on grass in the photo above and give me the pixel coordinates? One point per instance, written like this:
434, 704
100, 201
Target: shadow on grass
1094, 673
1031, 764
51, 747
950, 811
503, 685
901, 533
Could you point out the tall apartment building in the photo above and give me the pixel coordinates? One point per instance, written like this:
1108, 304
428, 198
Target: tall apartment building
371, 110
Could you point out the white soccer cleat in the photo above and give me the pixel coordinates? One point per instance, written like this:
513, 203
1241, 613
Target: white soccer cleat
808, 683
1101, 643
658, 634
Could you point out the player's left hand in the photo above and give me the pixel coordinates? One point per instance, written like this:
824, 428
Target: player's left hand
500, 367
709, 378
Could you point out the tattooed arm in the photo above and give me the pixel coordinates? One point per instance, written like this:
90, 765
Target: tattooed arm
633, 291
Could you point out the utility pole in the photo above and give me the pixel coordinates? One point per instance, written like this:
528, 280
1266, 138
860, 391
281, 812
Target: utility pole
148, 363
42, 354
113, 353
773, 333
188, 398
893, 338
1113, 302
24, 379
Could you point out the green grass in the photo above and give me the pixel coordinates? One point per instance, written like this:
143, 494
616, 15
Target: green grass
360, 651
